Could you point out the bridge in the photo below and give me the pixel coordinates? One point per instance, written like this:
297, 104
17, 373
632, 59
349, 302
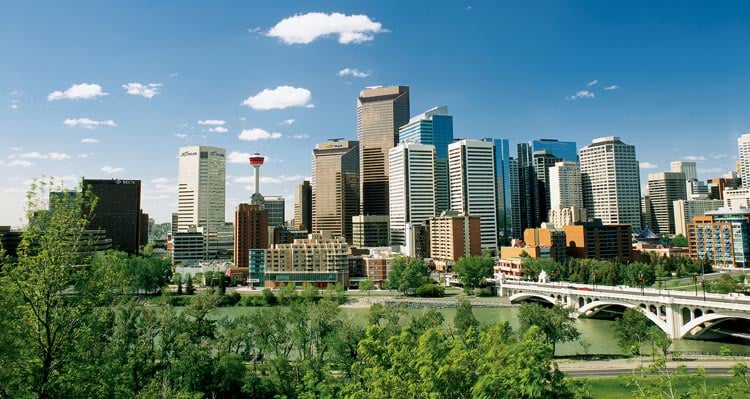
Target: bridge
680, 314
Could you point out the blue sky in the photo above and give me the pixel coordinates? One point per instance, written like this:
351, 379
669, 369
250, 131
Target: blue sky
668, 77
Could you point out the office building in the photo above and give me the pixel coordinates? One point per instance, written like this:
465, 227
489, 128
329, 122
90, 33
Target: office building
566, 195
550, 239
371, 231
526, 212
411, 187
276, 207
543, 160
335, 187
117, 211
380, 112
717, 185
201, 188
453, 236
685, 211
565, 150
303, 206
515, 200
433, 127
320, 260
743, 144
737, 198
721, 237
187, 247
471, 166
610, 182
250, 232
594, 240
688, 168
503, 178
663, 189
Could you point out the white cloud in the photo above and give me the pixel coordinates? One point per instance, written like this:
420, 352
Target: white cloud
218, 129
87, 123
16, 149
287, 122
238, 157
18, 162
710, 170
353, 72
110, 169
613, 87
717, 156
139, 89
89, 140
694, 158
305, 28
266, 179
54, 156
83, 90
257, 134
301, 136
13, 104
180, 135
212, 122
84, 155
647, 165
581, 94
593, 82
279, 98
174, 75
159, 180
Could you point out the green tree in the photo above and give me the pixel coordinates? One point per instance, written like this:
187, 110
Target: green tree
367, 285
553, 323
632, 331
680, 241
473, 270
408, 274
189, 288
724, 284
464, 320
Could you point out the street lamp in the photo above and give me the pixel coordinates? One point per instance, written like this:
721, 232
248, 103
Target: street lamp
695, 283
595, 275
640, 279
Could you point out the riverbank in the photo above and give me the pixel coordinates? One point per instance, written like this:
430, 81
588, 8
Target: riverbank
432, 303
609, 367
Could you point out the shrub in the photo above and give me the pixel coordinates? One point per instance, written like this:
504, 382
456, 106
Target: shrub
430, 291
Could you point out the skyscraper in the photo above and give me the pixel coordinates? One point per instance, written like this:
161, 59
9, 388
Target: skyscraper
610, 182
471, 166
201, 188
434, 127
380, 112
335, 186
527, 214
118, 211
503, 186
688, 168
543, 160
250, 232
566, 195
303, 206
663, 189
412, 187
743, 143
276, 207
565, 150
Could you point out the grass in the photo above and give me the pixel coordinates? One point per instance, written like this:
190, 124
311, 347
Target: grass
616, 387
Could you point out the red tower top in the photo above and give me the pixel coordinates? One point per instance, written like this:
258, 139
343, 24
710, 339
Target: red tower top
257, 159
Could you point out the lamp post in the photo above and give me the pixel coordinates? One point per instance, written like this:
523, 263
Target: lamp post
695, 283
640, 279
595, 275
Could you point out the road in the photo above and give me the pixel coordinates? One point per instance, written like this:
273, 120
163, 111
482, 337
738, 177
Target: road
616, 367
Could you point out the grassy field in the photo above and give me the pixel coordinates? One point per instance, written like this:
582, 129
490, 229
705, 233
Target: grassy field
617, 388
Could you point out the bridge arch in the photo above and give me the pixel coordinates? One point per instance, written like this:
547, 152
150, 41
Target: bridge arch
528, 295
685, 329
602, 304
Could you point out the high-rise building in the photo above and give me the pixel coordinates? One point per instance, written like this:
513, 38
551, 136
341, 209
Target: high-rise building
565, 150
503, 179
743, 143
543, 160
250, 232
471, 166
434, 127
515, 200
118, 211
453, 236
688, 168
610, 182
721, 237
685, 211
276, 207
529, 197
201, 188
371, 231
411, 187
335, 186
663, 189
303, 206
380, 112
566, 195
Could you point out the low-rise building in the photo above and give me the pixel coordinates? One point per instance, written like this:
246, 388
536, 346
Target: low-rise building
453, 236
721, 237
319, 260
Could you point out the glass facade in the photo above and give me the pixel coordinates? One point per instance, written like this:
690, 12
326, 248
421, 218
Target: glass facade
561, 149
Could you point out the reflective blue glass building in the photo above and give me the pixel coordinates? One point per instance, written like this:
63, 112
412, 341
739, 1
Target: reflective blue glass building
560, 149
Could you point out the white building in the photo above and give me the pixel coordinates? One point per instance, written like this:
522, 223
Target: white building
471, 167
611, 182
412, 187
201, 188
737, 197
688, 168
743, 142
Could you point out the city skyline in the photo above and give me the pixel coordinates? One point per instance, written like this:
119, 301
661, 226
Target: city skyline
108, 97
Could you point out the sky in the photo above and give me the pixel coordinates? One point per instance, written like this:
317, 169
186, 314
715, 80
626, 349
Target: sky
114, 89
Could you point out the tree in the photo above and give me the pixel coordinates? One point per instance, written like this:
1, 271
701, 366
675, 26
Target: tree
367, 285
680, 241
464, 319
473, 270
724, 285
408, 274
632, 331
553, 322
189, 288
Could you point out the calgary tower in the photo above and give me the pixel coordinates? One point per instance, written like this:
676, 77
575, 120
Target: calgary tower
256, 161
